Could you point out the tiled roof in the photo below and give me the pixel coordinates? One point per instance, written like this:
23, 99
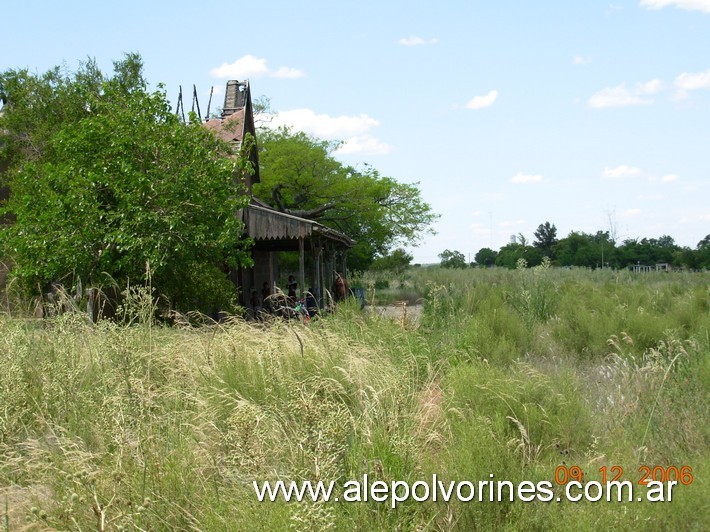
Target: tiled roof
229, 129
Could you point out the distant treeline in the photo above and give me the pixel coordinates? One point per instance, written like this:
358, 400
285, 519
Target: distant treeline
588, 250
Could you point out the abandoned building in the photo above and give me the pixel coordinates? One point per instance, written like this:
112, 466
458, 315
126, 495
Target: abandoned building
321, 248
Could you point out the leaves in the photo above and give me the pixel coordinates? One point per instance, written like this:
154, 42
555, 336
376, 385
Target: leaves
114, 182
300, 176
452, 259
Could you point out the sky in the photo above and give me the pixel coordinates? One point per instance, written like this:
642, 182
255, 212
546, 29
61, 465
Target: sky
594, 116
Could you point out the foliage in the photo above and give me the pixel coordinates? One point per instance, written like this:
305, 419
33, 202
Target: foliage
299, 175
397, 261
596, 250
582, 249
546, 238
648, 250
510, 254
452, 259
105, 179
486, 257
702, 255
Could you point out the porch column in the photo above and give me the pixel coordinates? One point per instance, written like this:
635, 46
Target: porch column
301, 266
318, 284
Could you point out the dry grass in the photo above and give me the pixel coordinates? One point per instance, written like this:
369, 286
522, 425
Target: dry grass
148, 427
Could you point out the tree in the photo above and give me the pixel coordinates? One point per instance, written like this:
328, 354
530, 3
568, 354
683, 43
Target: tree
546, 238
508, 255
486, 257
702, 254
397, 261
105, 180
648, 250
586, 250
300, 176
452, 259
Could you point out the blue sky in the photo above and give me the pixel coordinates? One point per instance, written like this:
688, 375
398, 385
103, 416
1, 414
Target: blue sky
590, 115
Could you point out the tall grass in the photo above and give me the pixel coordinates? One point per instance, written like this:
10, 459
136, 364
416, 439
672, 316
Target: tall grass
512, 373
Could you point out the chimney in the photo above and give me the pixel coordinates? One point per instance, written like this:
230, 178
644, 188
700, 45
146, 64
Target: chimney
234, 97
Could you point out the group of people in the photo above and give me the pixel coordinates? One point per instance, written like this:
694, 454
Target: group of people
290, 305
278, 304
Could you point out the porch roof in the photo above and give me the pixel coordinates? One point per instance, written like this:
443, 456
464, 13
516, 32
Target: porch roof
275, 230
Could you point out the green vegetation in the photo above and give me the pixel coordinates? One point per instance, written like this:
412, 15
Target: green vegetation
452, 259
599, 250
396, 262
300, 176
105, 179
507, 372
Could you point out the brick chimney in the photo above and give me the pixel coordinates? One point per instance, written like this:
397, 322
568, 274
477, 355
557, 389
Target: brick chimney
235, 97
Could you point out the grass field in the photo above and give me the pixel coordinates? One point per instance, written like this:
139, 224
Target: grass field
510, 373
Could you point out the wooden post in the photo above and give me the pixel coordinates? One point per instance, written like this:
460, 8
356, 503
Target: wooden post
317, 285
301, 266
271, 271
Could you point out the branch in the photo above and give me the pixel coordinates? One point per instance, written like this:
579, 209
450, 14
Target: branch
310, 214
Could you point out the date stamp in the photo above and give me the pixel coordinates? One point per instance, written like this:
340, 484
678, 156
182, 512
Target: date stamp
654, 483
664, 474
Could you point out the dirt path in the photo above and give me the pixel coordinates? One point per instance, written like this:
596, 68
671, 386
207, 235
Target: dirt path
400, 312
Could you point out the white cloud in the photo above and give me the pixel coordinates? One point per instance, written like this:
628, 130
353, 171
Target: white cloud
618, 96
689, 5
620, 172
621, 96
700, 80
287, 73
364, 144
326, 126
650, 87
632, 212
579, 60
356, 130
669, 178
525, 178
250, 66
689, 82
480, 102
416, 41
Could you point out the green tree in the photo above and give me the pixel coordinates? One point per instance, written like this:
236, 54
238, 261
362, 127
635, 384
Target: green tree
105, 179
486, 257
300, 176
509, 254
648, 250
686, 258
586, 250
702, 253
546, 238
397, 261
452, 259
